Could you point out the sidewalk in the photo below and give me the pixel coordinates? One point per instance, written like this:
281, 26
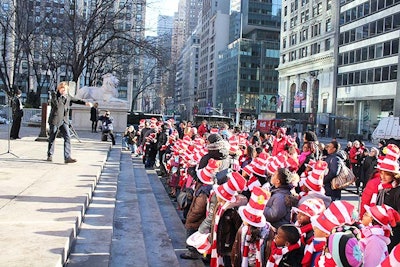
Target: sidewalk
42, 203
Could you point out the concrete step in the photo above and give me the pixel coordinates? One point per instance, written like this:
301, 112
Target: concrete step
92, 245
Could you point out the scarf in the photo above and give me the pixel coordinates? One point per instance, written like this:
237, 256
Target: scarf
277, 253
304, 230
217, 260
246, 236
378, 197
316, 246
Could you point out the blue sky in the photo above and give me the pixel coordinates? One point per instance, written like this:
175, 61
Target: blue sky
155, 8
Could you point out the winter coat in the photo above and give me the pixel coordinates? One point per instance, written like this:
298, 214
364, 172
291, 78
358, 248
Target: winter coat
278, 146
277, 212
370, 189
198, 208
228, 225
333, 168
368, 168
374, 246
392, 199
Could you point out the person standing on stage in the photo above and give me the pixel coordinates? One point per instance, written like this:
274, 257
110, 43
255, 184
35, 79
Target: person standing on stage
59, 120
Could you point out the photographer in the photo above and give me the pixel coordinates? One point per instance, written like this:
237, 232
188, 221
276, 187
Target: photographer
107, 126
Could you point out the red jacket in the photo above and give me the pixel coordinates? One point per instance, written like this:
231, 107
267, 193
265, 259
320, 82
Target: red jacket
279, 145
355, 154
370, 189
202, 129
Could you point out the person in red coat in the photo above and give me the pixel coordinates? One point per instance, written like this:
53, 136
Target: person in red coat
279, 142
202, 129
370, 189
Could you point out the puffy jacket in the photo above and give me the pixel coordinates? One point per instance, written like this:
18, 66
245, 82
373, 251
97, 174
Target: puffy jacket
276, 211
370, 189
198, 208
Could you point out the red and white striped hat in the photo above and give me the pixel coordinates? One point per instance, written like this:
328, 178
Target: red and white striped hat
393, 259
259, 165
390, 161
227, 191
234, 144
338, 213
252, 182
314, 180
253, 212
206, 174
276, 162
199, 241
383, 214
310, 207
214, 131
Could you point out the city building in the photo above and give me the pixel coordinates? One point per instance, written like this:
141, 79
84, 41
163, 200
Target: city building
368, 86
213, 38
307, 69
247, 82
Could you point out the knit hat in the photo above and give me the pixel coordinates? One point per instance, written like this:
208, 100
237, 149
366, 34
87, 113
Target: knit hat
199, 241
253, 212
339, 212
227, 191
314, 180
311, 207
383, 214
393, 259
345, 249
206, 174
390, 161
282, 130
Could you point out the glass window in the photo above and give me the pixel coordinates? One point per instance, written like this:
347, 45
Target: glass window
359, 33
340, 59
363, 76
372, 28
374, 5
370, 76
365, 31
351, 78
371, 52
345, 58
344, 75
352, 35
381, 4
396, 21
356, 77
386, 48
388, 23
351, 57
385, 73
393, 72
364, 53
366, 8
389, 2
378, 74
354, 13
395, 46
347, 37
360, 11
379, 50
379, 26
358, 55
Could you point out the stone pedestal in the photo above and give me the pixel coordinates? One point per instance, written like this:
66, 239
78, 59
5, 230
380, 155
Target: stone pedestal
81, 117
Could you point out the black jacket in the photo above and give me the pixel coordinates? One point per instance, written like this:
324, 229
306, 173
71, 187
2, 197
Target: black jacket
60, 107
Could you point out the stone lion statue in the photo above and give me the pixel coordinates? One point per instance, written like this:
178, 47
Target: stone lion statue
106, 93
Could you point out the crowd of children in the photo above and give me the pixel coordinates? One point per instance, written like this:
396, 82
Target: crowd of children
257, 200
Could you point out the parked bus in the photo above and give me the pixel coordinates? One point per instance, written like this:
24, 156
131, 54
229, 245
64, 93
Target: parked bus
134, 117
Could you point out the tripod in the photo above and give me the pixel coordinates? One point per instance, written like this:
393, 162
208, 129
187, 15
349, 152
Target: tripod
9, 130
73, 133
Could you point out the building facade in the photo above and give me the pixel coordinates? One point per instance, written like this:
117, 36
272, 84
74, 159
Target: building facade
307, 93
368, 60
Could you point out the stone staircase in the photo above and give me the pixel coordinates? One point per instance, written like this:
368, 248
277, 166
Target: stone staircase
130, 221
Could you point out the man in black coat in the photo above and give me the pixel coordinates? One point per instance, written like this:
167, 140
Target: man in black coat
59, 120
17, 114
